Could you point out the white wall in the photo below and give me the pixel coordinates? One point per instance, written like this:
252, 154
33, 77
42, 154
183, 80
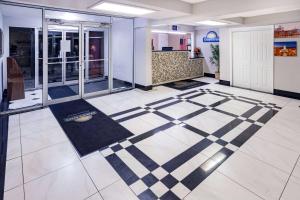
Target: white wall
163, 39
1, 62
287, 70
143, 52
225, 48
122, 49
206, 49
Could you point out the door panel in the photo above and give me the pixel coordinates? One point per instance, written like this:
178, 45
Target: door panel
63, 61
262, 60
96, 74
252, 58
241, 59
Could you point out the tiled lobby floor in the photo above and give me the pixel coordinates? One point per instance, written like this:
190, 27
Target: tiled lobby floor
212, 143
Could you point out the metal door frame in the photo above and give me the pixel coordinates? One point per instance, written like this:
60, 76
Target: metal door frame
81, 93
109, 89
46, 101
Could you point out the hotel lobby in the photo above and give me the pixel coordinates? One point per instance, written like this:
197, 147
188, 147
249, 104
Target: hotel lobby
149, 100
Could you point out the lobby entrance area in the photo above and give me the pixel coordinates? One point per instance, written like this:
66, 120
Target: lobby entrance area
78, 60
53, 56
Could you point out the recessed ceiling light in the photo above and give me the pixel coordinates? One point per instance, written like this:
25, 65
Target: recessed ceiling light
121, 8
211, 23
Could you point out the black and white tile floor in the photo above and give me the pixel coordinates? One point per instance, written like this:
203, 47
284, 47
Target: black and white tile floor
214, 142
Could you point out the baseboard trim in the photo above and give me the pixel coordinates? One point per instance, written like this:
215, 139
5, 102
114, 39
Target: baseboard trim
209, 75
223, 82
288, 94
142, 87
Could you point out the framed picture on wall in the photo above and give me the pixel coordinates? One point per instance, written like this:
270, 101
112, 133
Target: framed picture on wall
286, 49
291, 30
1, 43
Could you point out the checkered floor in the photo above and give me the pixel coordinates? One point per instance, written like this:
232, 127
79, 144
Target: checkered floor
190, 136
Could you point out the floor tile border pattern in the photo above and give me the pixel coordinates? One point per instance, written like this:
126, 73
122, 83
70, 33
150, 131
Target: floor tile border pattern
192, 180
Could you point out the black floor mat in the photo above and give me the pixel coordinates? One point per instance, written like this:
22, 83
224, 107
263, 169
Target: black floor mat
185, 84
61, 92
88, 128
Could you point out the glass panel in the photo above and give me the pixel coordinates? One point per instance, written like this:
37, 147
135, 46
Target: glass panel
20, 58
96, 60
63, 61
72, 57
22, 50
122, 53
54, 57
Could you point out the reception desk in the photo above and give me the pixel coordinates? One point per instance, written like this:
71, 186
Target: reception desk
169, 66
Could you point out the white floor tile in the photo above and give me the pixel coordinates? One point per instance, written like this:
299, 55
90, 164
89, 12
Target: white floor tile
296, 171
43, 125
35, 115
118, 190
133, 163
137, 126
270, 153
207, 99
14, 194
13, 174
206, 124
292, 191
36, 141
13, 149
70, 182
235, 107
219, 187
183, 135
179, 110
185, 169
161, 147
180, 190
211, 150
100, 171
260, 178
95, 197
280, 135
153, 119
47, 160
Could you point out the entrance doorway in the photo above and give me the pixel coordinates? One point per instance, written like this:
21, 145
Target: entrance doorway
78, 63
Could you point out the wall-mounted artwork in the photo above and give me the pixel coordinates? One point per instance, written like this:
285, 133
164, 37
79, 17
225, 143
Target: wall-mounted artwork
291, 30
285, 48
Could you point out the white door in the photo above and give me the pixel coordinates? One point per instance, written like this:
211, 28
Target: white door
241, 59
262, 60
252, 58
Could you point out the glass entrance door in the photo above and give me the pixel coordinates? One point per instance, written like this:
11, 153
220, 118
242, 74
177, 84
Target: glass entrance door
96, 62
64, 63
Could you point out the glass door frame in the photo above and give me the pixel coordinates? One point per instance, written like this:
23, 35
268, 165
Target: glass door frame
81, 93
108, 59
46, 84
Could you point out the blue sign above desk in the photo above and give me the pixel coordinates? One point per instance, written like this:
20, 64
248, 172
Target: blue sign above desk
211, 36
174, 28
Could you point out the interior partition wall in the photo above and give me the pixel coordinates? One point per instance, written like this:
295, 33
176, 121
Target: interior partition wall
61, 55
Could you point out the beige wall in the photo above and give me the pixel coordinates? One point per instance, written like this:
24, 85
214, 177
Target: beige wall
287, 70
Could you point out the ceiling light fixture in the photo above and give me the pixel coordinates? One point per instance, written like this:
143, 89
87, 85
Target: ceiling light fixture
211, 23
169, 32
121, 8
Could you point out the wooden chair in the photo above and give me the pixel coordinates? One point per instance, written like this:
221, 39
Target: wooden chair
15, 80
